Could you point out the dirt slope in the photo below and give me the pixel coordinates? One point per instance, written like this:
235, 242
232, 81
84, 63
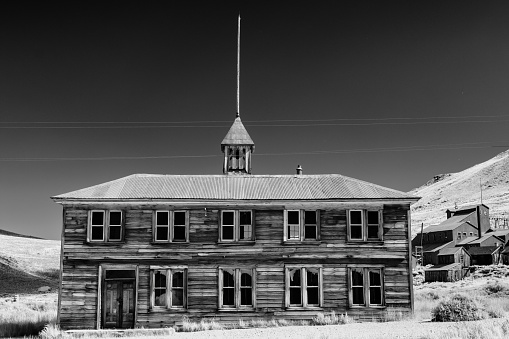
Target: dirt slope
27, 264
463, 188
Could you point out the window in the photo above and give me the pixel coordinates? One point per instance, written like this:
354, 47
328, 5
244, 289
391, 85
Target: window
465, 234
364, 225
236, 226
168, 287
301, 225
459, 236
471, 234
171, 226
303, 286
366, 287
105, 226
237, 288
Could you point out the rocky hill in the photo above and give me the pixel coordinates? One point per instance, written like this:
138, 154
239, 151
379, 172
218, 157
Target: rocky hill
445, 191
27, 264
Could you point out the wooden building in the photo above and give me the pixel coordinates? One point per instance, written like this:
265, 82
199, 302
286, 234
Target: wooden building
444, 273
147, 250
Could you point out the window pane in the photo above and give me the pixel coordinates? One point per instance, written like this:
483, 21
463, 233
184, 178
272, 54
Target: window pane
228, 296
375, 296
116, 218
228, 218
162, 218
373, 232
178, 279
245, 218
115, 232
97, 232
355, 217
228, 279
245, 232
312, 278
357, 278
293, 217
179, 218
373, 217
374, 278
177, 297
293, 231
358, 295
295, 296
179, 233
310, 232
162, 233
246, 296
245, 280
356, 232
310, 217
98, 218
160, 297
160, 279
313, 296
295, 277
227, 232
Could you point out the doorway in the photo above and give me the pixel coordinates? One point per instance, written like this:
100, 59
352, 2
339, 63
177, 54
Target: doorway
119, 297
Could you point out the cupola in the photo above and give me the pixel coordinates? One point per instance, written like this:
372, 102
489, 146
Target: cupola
237, 147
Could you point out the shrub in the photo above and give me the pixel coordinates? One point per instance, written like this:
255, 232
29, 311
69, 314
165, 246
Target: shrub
496, 288
331, 319
459, 307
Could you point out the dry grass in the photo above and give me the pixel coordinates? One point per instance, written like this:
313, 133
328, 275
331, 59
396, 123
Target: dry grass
24, 318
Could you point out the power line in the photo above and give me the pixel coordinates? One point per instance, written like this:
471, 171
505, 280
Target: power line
347, 151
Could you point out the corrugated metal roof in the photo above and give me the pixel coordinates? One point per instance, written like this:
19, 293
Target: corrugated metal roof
449, 224
482, 250
444, 267
237, 187
237, 135
436, 247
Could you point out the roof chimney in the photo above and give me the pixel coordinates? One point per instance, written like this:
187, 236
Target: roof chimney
299, 170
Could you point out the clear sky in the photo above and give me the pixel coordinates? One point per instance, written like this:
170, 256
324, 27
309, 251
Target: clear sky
391, 92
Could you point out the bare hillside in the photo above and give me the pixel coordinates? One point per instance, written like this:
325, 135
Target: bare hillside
27, 264
463, 188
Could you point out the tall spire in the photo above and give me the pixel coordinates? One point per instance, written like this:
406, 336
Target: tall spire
238, 67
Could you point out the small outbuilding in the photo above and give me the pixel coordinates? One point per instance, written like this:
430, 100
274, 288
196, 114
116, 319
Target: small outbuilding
486, 255
444, 273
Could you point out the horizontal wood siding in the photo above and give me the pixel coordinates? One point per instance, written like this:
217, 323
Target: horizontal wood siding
203, 255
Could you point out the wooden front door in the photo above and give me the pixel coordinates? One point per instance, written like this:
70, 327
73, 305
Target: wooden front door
119, 304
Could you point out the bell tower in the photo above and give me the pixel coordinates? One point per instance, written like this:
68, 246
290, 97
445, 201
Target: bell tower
237, 147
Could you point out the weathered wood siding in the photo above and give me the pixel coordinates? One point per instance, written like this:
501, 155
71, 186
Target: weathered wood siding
203, 255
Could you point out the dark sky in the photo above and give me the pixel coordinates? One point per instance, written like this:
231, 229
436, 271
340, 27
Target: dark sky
391, 92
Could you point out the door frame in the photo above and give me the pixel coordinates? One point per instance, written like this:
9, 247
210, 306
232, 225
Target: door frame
101, 283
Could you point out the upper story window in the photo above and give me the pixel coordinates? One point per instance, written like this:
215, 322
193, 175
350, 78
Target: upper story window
236, 226
105, 226
171, 226
303, 286
301, 225
365, 225
237, 288
366, 287
168, 287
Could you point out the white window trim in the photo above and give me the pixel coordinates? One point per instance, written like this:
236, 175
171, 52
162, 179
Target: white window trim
366, 286
302, 225
303, 286
171, 231
236, 226
169, 277
106, 227
237, 277
364, 225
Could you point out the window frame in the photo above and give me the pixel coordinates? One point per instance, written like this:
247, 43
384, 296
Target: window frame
303, 287
366, 286
106, 231
302, 226
170, 225
169, 287
236, 227
365, 226
237, 288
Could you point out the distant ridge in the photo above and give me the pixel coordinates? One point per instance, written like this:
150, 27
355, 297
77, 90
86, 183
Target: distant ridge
447, 191
12, 234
